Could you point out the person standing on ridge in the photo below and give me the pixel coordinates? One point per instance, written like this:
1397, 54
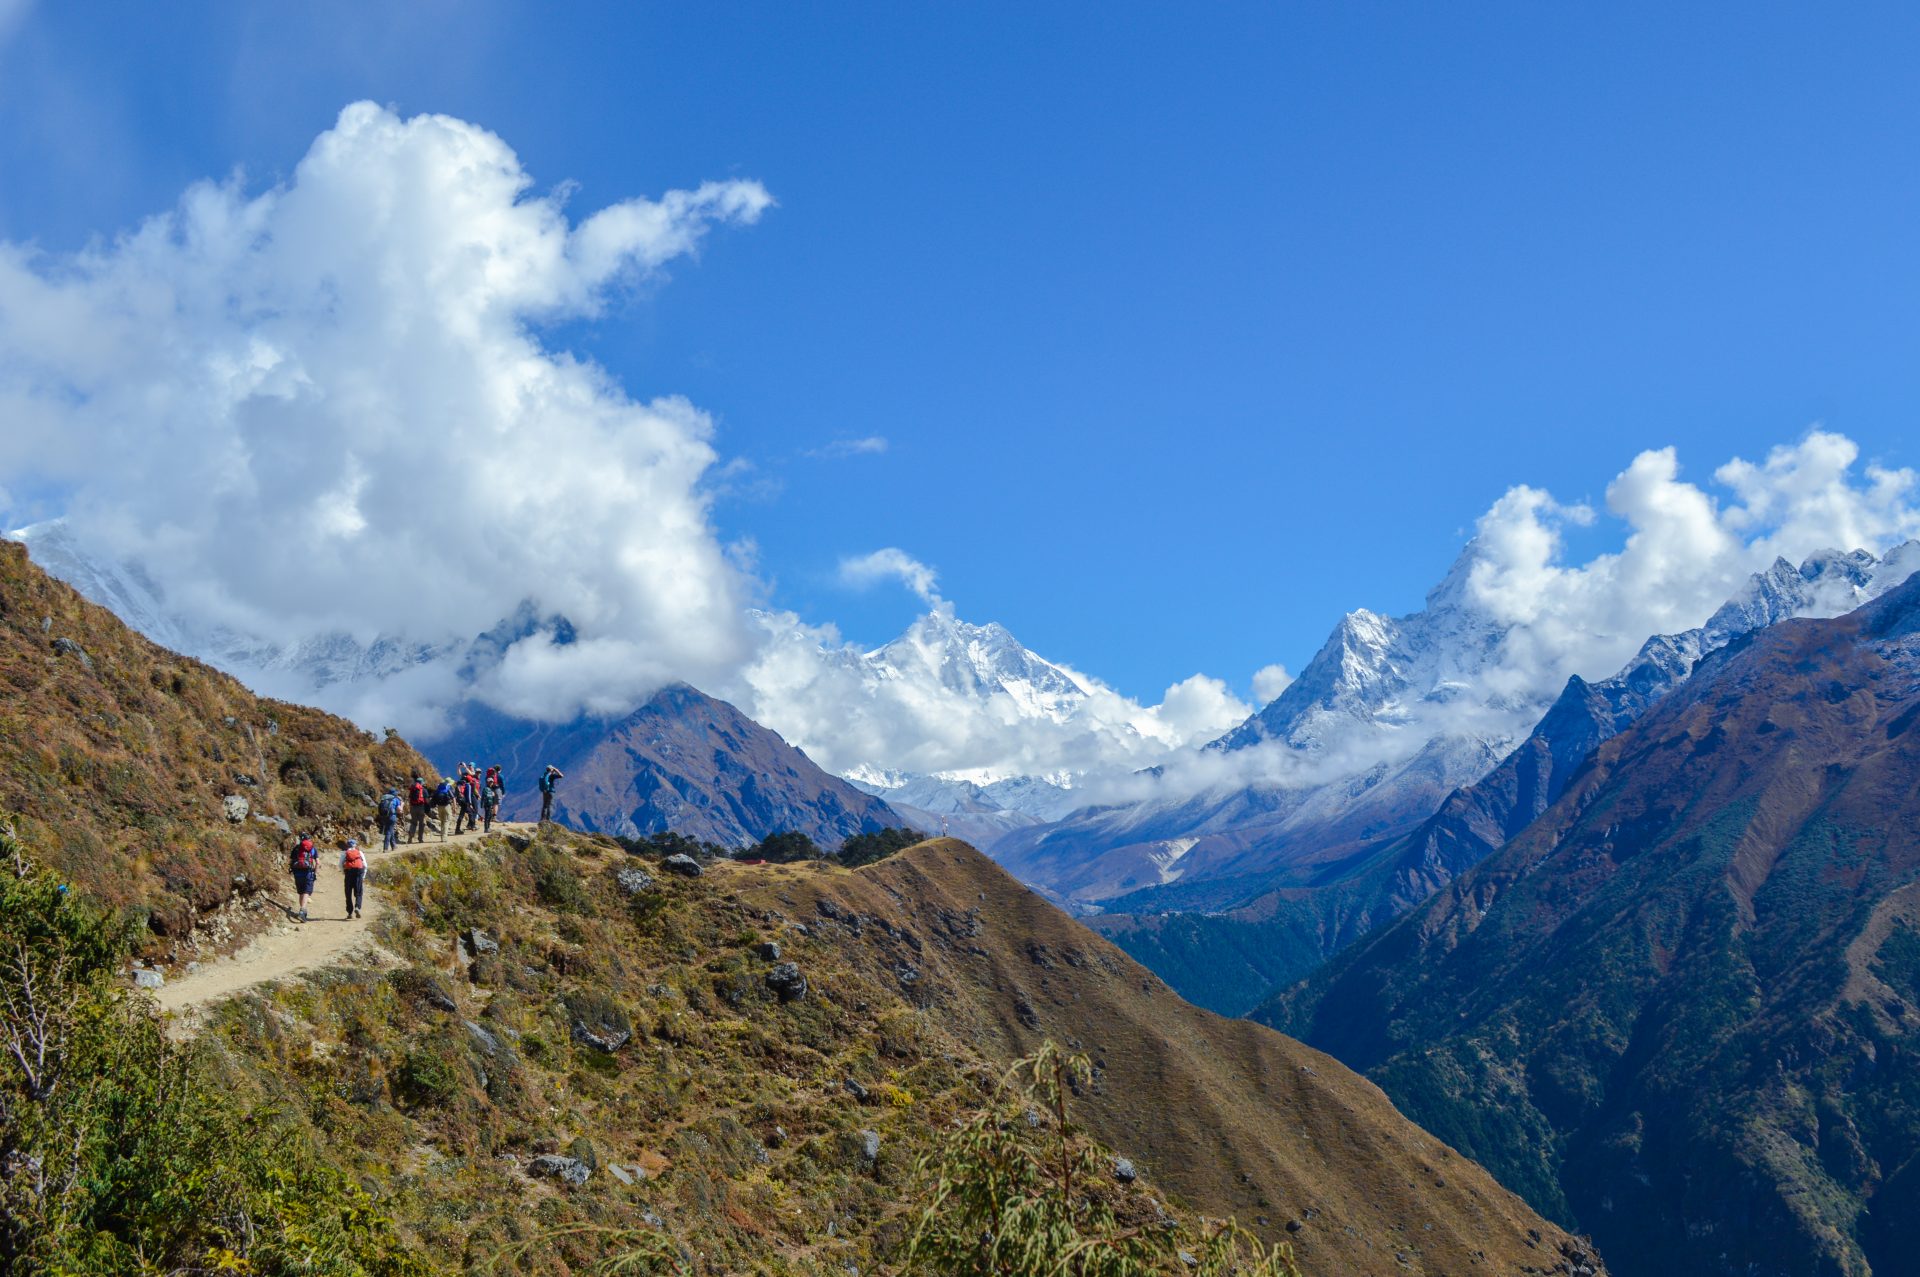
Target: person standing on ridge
417, 811
442, 801
305, 864
467, 799
490, 800
548, 780
390, 805
353, 868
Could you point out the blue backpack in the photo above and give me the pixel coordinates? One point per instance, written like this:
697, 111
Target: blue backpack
390, 806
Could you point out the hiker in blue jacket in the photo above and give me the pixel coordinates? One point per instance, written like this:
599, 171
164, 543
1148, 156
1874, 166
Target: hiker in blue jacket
548, 780
390, 806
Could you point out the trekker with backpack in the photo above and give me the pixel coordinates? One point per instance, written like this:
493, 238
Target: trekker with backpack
390, 806
305, 865
468, 794
442, 800
490, 800
417, 799
548, 780
353, 868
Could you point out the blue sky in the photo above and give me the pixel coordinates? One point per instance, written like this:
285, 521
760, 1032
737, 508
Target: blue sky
1188, 328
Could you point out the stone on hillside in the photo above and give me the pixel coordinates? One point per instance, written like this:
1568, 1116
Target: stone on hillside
236, 807
146, 978
245, 780
67, 647
599, 1023
1123, 1170
274, 822
768, 949
869, 1147
787, 982
435, 994
479, 942
568, 1170
633, 881
857, 1091
619, 1172
682, 864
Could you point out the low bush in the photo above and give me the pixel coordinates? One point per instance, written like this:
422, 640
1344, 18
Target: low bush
124, 1152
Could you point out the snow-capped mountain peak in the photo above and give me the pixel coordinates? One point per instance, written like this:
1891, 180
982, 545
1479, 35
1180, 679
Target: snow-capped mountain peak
981, 661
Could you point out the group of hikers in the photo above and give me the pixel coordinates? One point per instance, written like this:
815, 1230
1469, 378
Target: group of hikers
471, 795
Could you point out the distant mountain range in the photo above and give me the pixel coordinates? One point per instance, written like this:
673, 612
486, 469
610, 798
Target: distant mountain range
1229, 941
1682, 1005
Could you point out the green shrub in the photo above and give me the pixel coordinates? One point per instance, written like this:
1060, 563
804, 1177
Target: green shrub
125, 1152
869, 848
784, 847
1018, 1189
426, 1078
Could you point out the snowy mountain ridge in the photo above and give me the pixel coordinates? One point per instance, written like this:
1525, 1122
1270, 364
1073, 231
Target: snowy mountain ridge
1390, 717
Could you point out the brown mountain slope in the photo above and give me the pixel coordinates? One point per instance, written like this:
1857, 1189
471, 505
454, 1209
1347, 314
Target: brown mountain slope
780, 1135
118, 757
1229, 1115
1680, 1007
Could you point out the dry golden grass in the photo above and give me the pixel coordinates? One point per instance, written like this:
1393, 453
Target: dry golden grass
115, 758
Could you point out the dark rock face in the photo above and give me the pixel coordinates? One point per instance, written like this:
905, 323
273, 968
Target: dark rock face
684, 865
787, 982
568, 1170
1678, 1008
683, 762
599, 1023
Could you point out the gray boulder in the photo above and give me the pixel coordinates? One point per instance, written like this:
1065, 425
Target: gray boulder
869, 1147
568, 1170
1123, 1170
67, 647
598, 1022
684, 865
236, 807
787, 982
147, 978
633, 881
479, 942
768, 949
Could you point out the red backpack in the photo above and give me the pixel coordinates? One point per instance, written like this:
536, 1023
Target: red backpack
304, 856
354, 859
419, 793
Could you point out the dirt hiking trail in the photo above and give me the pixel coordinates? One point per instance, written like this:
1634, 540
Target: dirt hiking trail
290, 947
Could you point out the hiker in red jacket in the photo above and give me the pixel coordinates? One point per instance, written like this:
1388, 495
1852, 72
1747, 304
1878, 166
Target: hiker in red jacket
418, 799
353, 868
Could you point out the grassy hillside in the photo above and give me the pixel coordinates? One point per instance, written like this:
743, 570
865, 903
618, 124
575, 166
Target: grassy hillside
118, 758
782, 1136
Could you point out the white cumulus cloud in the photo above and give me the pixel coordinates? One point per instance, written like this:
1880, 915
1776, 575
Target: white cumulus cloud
890, 564
325, 407
1269, 681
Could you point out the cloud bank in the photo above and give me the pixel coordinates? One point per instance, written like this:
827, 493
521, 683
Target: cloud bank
326, 409
321, 423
